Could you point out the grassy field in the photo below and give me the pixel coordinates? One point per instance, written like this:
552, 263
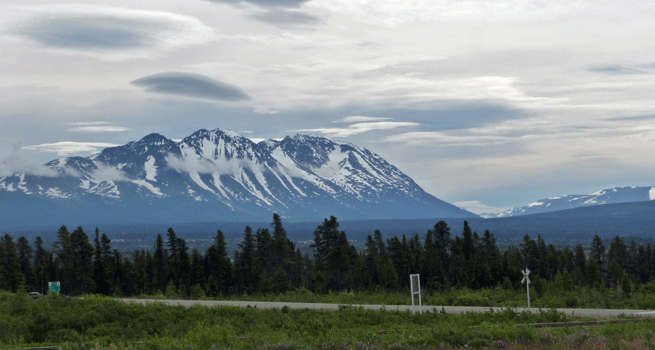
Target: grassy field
103, 323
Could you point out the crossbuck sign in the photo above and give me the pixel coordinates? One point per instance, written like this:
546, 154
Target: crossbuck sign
526, 280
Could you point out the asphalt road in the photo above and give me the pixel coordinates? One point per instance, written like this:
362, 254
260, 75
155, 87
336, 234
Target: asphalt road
448, 309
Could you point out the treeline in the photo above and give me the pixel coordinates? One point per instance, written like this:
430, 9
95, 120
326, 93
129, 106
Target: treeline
268, 262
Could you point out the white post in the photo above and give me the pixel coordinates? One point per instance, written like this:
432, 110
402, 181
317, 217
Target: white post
528, 286
415, 286
420, 302
526, 280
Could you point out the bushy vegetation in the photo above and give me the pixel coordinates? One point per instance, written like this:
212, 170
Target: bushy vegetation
100, 322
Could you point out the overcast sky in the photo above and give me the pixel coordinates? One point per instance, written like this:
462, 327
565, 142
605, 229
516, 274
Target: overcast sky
485, 104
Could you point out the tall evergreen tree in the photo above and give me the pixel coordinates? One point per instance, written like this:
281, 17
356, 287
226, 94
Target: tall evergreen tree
25, 256
82, 276
220, 266
580, 265
64, 258
442, 243
3, 271
13, 274
100, 273
41, 258
619, 252
160, 274
197, 268
598, 252
530, 252
246, 272
264, 252
333, 256
284, 248
371, 262
492, 260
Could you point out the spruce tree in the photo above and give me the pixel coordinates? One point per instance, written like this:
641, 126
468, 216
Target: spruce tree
442, 243
160, 274
25, 256
82, 278
246, 271
63, 252
220, 266
492, 263
264, 252
371, 262
100, 274
197, 268
598, 252
3, 271
13, 274
41, 257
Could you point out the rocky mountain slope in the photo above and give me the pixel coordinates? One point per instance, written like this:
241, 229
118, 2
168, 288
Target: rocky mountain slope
219, 175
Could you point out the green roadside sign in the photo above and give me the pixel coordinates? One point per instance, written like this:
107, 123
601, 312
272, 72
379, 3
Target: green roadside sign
54, 287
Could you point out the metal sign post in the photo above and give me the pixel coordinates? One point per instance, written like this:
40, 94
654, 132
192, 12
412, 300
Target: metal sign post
54, 287
415, 287
526, 280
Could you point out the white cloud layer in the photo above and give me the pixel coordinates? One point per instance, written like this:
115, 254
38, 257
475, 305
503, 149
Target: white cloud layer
15, 162
109, 174
69, 148
99, 128
359, 128
359, 118
478, 207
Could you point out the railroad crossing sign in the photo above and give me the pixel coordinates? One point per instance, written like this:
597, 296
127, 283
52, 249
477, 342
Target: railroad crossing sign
54, 287
526, 281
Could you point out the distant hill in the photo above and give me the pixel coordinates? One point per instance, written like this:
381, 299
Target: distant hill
608, 196
635, 221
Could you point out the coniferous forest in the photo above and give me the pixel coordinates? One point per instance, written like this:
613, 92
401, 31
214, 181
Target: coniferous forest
267, 262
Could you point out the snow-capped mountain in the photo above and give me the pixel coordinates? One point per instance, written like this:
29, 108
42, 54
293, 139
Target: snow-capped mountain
608, 196
220, 175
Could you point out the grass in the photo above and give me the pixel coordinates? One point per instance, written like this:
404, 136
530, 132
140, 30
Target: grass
102, 323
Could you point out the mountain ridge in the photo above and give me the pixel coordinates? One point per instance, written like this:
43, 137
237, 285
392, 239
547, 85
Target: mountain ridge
221, 175
614, 195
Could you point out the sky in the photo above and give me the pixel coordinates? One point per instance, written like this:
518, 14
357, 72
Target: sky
485, 104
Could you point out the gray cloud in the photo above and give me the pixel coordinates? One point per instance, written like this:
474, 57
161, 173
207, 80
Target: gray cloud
94, 32
191, 85
266, 3
278, 12
616, 69
105, 29
284, 17
638, 117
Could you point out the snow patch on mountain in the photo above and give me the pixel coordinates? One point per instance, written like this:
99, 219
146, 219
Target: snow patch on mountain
151, 169
156, 191
56, 193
